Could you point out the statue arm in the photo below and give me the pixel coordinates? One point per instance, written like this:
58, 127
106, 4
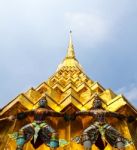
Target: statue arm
129, 119
55, 114
73, 116
6, 118
116, 115
18, 116
23, 115
83, 113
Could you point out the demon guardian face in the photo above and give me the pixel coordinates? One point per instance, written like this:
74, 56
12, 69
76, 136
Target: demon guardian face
42, 103
97, 103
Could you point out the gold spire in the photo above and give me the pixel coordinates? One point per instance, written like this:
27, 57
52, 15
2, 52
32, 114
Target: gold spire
70, 52
70, 59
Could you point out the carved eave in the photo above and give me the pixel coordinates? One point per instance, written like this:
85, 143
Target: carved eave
131, 107
22, 99
107, 95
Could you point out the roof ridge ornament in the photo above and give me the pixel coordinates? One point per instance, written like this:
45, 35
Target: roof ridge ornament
70, 52
70, 60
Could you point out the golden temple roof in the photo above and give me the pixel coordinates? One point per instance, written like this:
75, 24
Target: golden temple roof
69, 89
69, 85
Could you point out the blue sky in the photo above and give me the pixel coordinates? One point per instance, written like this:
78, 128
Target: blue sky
34, 38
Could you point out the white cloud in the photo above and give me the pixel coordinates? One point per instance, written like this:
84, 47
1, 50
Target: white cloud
89, 26
129, 92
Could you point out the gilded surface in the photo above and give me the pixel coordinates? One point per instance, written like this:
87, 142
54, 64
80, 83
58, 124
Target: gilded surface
68, 90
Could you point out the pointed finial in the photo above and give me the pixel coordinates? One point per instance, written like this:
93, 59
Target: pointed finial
70, 53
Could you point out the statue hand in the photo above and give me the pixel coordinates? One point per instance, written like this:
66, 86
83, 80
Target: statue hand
70, 117
11, 118
131, 119
67, 117
73, 116
76, 139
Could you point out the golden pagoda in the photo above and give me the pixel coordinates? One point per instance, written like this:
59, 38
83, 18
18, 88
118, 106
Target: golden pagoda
69, 89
